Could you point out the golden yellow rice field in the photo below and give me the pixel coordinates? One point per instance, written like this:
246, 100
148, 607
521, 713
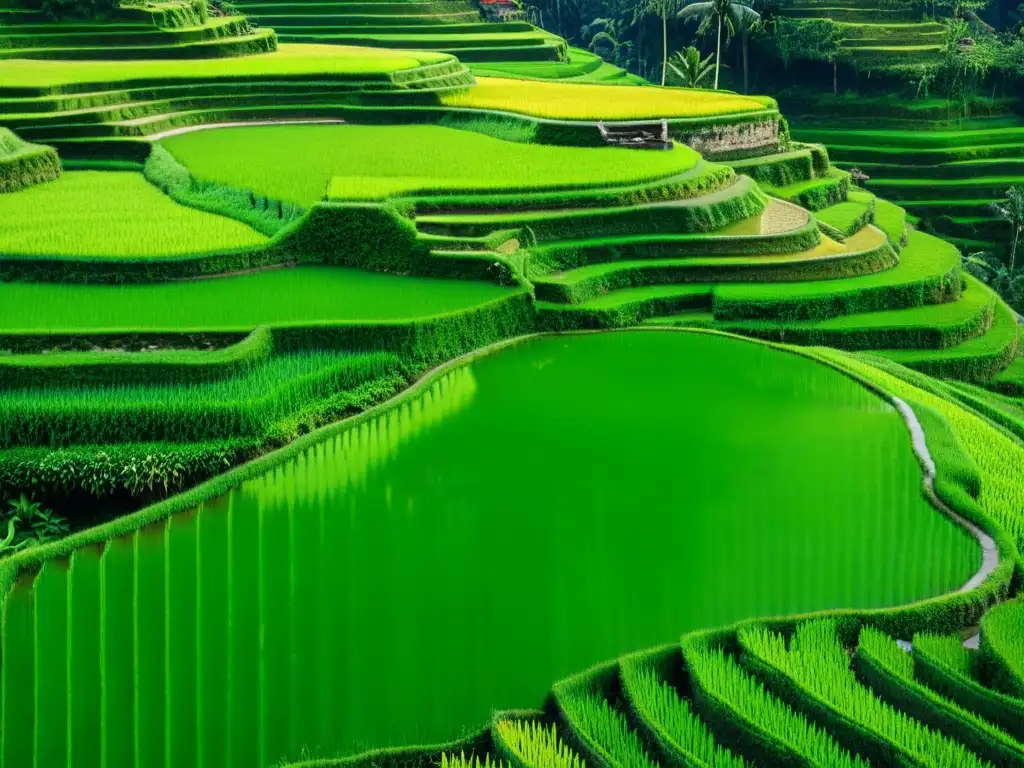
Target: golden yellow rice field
580, 101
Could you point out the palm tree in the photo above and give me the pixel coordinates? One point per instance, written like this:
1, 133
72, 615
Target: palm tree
1013, 212
743, 27
663, 9
690, 67
720, 13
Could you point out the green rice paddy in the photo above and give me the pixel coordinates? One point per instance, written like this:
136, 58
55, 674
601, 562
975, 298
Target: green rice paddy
351, 162
237, 303
554, 500
303, 611
112, 214
287, 61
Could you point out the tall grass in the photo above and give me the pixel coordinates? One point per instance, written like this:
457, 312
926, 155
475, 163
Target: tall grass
113, 214
302, 163
596, 721
246, 404
572, 101
536, 745
819, 666
719, 678
658, 704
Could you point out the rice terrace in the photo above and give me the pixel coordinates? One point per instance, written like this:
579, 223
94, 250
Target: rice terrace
511, 383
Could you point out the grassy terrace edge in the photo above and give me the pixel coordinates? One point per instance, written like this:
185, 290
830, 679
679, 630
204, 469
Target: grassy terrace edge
943, 613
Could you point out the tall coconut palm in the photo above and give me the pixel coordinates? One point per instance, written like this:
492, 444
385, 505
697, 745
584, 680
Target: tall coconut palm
662, 9
720, 13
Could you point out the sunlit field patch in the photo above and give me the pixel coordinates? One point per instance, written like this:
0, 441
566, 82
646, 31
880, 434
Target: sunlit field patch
570, 101
297, 162
91, 213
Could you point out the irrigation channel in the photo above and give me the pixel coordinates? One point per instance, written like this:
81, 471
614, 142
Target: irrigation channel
520, 517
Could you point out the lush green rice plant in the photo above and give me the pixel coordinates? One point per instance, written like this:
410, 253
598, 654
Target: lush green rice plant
246, 404
112, 214
473, 761
889, 671
298, 162
327, 61
998, 456
571, 101
942, 663
604, 729
1002, 644
534, 745
761, 725
23, 164
241, 303
814, 671
659, 706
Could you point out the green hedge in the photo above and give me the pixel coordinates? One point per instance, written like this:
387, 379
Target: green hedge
23, 164
781, 169
258, 211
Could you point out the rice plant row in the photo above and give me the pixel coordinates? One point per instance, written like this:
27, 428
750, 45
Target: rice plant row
597, 722
721, 685
473, 761
661, 707
242, 405
998, 455
942, 662
889, 671
1002, 642
817, 666
534, 744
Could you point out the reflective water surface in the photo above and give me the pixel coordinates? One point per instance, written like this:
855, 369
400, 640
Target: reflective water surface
537, 511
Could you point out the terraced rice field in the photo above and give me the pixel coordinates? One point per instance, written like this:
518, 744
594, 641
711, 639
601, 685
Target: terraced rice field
112, 215
306, 163
238, 303
948, 174
550, 502
442, 25
593, 101
224, 605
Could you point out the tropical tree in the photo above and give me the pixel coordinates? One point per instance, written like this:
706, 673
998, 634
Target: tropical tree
690, 67
1012, 211
1007, 282
718, 13
662, 9
743, 27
